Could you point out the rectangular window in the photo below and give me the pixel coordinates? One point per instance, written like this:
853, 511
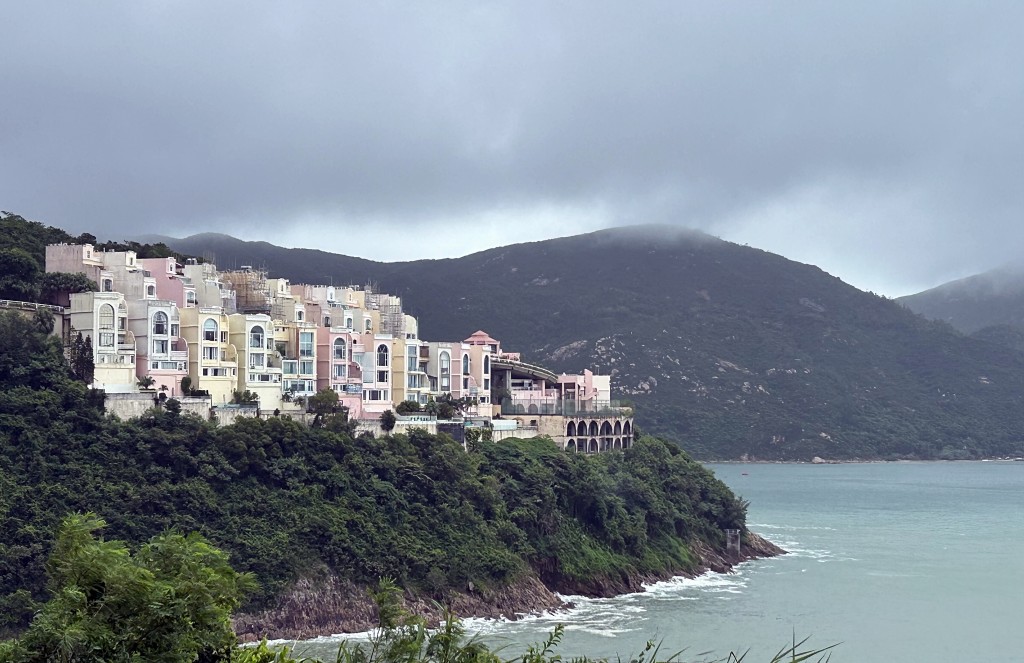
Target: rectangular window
206, 371
446, 384
175, 329
257, 360
160, 347
223, 337
107, 339
210, 353
382, 376
305, 368
340, 371
155, 365
305, 344
291, 367
413, 360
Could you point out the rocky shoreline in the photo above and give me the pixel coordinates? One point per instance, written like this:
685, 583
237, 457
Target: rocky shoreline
330, 605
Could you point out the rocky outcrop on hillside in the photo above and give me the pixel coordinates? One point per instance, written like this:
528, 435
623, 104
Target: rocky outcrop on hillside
331, 605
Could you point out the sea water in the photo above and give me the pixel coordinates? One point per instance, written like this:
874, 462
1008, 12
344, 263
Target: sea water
894, 561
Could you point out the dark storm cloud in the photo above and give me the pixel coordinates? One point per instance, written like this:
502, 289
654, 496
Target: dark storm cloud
881, 141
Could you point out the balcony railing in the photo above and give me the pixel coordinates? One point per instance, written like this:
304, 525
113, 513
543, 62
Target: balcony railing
566, 408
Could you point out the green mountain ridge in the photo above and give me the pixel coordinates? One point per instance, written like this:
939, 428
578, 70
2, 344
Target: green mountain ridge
990, 299
734, 351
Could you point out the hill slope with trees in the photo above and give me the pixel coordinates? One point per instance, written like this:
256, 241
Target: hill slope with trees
734, 351
290, 502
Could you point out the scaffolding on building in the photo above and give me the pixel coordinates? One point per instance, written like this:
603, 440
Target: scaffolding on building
252, 295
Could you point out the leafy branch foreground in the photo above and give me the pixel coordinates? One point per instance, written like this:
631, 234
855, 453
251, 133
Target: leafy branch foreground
172, 601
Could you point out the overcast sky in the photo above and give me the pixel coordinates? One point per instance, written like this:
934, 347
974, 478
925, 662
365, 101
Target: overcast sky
881, 141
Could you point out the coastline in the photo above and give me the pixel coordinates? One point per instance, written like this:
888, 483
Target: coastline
329, 605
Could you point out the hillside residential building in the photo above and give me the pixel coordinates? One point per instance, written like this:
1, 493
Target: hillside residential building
161, 350
102, 317
238, 331
259, 363
337, 370
170, 281
213, 361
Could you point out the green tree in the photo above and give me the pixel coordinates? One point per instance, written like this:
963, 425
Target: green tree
43, 320
244, 397
387, 421
323, 402
55, 287
18, 274
80, 358
407, 407
170, 602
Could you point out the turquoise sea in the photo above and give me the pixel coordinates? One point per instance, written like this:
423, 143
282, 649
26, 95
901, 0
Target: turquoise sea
896, 561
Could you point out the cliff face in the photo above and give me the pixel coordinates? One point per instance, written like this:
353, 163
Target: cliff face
329, 605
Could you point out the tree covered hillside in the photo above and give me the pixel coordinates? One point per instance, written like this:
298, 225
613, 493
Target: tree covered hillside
731, 350
288, 502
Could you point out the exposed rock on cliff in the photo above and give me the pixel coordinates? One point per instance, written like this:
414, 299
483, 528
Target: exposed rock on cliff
330, 605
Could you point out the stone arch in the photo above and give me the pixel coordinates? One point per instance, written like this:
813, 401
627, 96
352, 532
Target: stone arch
617, 444
627, 430
570, 446
606, 429
618, 428
593, 429
593, 446
570, 430
533, 409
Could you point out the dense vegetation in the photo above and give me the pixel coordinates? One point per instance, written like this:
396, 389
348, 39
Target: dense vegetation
23, 260
171, 601
285, 501
731, 350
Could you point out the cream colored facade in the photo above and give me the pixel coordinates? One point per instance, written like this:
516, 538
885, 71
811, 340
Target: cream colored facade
213, 361
103, 318
259, 363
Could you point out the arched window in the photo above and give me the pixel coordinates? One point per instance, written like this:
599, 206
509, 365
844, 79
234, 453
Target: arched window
339, 348
382, 355
160, 323
369, 325
446, 363
210, 330
151, 290
106, 317
465, 364
327, 321
487, 364
256, 337
190, 297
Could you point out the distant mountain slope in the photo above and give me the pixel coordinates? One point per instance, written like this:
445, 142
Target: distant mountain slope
730, 350
971, 304
299, 265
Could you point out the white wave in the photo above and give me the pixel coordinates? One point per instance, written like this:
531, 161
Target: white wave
757, 526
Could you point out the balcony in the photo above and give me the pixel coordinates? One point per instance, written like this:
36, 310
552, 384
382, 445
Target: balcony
179, 355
